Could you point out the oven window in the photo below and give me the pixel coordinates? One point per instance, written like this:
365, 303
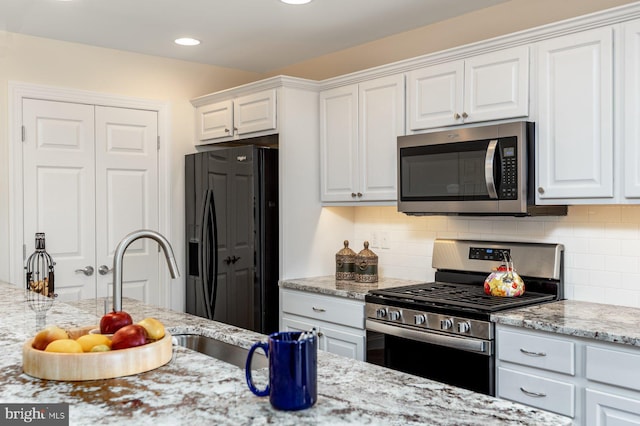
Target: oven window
452, 366
444, 172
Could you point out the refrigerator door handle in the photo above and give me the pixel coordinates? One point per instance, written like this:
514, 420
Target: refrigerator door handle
210, 251
203, 255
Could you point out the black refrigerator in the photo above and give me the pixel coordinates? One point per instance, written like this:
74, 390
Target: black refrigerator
232, 236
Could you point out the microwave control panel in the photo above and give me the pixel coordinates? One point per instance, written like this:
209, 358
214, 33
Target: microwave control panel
508, 189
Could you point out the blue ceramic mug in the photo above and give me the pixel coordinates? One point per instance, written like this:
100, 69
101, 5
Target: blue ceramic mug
292, 370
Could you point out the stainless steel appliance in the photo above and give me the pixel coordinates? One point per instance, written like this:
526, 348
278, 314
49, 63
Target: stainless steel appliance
486, 170
442, 330
232, 236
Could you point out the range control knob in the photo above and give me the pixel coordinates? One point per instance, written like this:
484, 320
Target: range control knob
464, 327
381, 312
419, 319
446, 324
394, 315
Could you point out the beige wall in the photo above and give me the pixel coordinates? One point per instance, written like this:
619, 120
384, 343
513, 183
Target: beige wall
504, 18
68, 65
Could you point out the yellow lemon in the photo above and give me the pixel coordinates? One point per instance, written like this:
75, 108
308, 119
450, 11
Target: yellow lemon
154, 328
88, 341
64, 345
100, 348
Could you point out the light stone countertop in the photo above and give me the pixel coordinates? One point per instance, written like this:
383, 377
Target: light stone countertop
607, 323
329, 286
195, 389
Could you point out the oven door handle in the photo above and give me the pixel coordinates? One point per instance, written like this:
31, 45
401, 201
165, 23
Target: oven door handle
463, 343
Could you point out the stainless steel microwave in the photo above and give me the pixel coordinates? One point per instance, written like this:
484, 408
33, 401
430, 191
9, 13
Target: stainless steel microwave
486, 170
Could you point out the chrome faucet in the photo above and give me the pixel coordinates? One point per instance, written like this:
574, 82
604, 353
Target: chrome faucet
118, 258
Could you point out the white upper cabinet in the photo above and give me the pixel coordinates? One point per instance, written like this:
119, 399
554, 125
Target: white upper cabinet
237, 118
486, 87
575, 120
631, 93
359, 125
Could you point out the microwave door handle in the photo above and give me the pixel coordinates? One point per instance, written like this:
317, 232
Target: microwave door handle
488, 169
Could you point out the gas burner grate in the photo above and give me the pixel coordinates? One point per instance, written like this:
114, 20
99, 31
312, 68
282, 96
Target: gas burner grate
460, 295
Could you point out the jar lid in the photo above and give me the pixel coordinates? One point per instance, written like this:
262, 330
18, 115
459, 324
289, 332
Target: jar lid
366, 252
346, 251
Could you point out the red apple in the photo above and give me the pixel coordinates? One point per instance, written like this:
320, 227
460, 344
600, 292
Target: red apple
113, 321
129, 336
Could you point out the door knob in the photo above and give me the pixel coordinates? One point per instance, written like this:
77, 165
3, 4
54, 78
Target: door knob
87, 270
103, 269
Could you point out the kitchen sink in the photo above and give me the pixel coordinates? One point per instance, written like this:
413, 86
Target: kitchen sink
218, 349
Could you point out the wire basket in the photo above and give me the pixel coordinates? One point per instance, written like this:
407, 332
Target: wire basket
39, 273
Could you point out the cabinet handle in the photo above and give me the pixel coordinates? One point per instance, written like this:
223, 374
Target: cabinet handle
320, 334
540, 190
526, 352
353, 195
359, 194
534, 394
456, 116
465, 115
226, 130
318, 309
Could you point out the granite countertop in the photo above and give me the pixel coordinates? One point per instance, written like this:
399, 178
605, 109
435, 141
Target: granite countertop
607, 323
349, 289
195, 389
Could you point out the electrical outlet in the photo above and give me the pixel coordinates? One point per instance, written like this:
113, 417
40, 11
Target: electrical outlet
374, 240
384, 240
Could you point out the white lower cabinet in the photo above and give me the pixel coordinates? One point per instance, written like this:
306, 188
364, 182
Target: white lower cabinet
339, 322
593, 382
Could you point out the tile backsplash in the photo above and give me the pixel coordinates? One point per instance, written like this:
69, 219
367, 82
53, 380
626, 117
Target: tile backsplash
602, 245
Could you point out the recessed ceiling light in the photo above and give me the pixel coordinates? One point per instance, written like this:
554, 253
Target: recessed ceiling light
187, 41
296, 1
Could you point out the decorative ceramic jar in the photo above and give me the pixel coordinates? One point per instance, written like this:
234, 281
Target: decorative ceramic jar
366, 265
345, 263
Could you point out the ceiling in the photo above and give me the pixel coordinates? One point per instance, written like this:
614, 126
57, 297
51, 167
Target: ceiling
251, 35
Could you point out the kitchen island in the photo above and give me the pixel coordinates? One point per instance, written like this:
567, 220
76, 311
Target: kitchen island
194, 388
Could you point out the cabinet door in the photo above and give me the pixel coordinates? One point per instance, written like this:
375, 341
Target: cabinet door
575, 126
214, 121
381, 118
435, 96
347, 344
631, 92
255, 112
339, 144
604, 409
497, 85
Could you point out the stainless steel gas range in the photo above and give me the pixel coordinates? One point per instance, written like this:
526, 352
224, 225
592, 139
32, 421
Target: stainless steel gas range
442, 330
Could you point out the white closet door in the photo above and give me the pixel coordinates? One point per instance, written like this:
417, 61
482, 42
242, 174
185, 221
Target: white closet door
59, 183
127, 198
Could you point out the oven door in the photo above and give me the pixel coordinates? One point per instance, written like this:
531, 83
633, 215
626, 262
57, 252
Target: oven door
464, 362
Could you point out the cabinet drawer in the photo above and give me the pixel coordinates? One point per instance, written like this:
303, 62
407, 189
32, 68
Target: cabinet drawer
540, 392
613, 367
535, 351
326, 308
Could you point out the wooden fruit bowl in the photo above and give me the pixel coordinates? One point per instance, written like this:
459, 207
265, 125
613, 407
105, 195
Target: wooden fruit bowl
95, 365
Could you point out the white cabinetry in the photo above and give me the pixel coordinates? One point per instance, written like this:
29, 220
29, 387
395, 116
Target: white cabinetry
575, 123
359, 124
238, 117
339, 322
631, 93
486, 87
593, 382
